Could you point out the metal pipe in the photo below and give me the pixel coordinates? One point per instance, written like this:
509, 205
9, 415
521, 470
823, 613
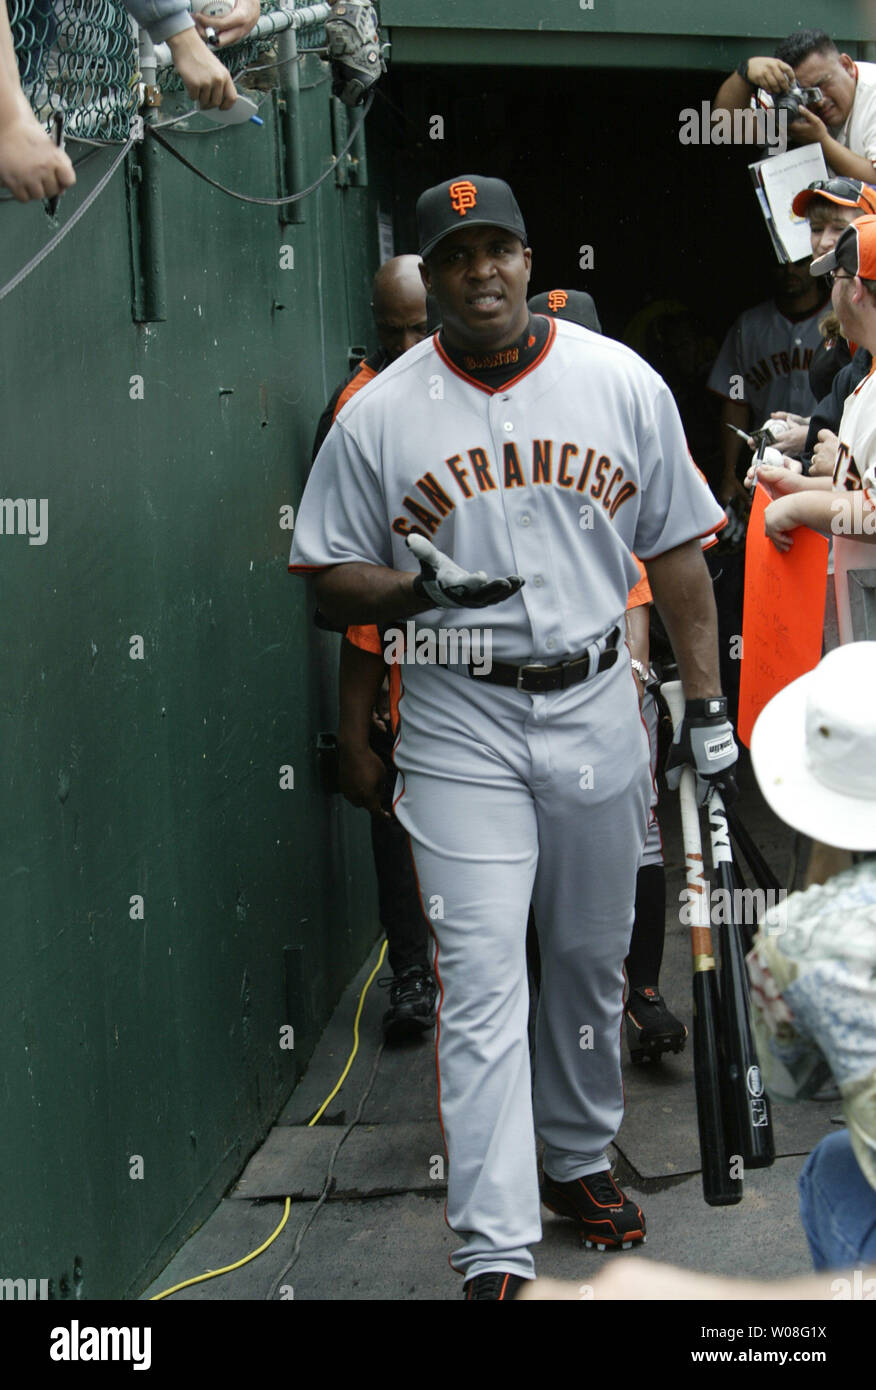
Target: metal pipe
147, 58
358, 157
274, 22
340, 132
290, 124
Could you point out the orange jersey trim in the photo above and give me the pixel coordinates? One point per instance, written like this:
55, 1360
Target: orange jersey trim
362, 376
640, 592
366, 637
506, 386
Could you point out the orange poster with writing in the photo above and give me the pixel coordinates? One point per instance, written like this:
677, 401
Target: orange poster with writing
782, 613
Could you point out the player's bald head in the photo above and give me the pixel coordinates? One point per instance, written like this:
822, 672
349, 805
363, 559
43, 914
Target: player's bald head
398, 301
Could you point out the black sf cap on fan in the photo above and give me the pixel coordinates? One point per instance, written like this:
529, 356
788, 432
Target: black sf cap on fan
468, 201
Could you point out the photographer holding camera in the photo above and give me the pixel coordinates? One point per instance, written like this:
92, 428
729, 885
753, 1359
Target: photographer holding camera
830, 99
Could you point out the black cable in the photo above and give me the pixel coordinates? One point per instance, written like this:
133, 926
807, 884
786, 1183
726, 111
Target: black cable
326, 1187
265, 202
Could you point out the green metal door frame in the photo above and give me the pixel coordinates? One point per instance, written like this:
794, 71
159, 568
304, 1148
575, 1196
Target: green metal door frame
631, 34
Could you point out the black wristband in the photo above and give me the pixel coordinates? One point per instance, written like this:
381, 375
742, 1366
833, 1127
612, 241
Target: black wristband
713, 707
742, 71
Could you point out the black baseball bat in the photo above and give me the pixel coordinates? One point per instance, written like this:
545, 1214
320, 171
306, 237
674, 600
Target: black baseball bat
719, 1188
750, 1122
761, 870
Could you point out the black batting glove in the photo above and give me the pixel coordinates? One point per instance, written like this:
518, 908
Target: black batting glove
704, 741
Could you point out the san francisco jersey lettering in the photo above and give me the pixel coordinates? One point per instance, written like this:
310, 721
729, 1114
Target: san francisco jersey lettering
546, 477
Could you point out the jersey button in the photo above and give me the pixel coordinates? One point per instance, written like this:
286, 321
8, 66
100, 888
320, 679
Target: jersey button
551, 643
538, 580
524, 520
508, 426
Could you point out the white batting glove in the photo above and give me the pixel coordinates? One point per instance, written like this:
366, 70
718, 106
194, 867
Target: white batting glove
447, 585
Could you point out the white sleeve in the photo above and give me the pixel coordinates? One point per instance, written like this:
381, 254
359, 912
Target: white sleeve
862, 127
342, 517
677, 504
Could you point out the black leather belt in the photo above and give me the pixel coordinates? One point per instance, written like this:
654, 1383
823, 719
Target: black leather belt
538, 680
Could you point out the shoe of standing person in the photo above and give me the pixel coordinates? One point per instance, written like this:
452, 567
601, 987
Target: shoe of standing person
651, 1028
494, 1287
411, 1009
606, 1217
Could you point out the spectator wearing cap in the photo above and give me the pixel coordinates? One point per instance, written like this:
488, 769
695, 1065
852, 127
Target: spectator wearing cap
829, 205
813, 962
843, 123
818, 502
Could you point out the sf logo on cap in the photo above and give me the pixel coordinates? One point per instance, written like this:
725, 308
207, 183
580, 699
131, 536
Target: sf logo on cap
463, 195
557, 299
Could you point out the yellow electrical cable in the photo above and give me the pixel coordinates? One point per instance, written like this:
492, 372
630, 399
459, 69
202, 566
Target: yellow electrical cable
226, 1269
365, 989
214, 1273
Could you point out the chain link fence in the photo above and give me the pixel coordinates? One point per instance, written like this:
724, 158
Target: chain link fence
80, 57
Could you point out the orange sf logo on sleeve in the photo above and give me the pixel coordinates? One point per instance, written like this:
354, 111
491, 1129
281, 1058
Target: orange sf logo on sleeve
557, 299
463, 195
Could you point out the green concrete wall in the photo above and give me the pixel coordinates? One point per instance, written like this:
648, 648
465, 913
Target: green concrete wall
160, 777
610, 33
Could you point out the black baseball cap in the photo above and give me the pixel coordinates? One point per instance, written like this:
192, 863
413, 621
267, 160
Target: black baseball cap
471, 200
575, 305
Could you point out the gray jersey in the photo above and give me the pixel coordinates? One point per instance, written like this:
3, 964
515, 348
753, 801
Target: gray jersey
764, 361
556, 476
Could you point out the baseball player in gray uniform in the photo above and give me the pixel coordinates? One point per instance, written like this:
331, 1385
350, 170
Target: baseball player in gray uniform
494, 482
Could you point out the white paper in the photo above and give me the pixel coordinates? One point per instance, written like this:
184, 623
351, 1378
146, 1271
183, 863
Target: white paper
783, 177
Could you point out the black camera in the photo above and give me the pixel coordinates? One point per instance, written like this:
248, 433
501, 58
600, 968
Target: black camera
798, 96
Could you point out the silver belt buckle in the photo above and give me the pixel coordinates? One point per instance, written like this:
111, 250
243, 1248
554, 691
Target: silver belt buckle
521, 671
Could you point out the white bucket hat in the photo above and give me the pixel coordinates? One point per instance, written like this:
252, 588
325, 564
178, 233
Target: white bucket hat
813, 749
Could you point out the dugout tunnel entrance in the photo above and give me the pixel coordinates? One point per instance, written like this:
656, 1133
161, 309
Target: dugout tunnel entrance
579, 109
614, 204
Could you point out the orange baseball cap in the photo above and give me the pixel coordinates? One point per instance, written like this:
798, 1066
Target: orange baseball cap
846, 193
855, 251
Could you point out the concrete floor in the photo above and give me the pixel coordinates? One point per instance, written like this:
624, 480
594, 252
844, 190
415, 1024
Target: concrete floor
381, 1235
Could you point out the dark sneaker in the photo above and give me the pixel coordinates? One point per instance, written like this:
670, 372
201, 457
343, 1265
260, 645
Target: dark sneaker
499, 1288
605, 1216
651, 1028
411, 1004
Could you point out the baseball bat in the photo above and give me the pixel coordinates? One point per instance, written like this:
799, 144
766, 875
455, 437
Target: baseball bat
719, 1189
751, 1125
761, 870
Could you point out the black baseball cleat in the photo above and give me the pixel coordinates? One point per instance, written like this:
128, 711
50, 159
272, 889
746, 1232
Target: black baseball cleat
495, 1286
606, 1217
411, 1004
651, 1028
